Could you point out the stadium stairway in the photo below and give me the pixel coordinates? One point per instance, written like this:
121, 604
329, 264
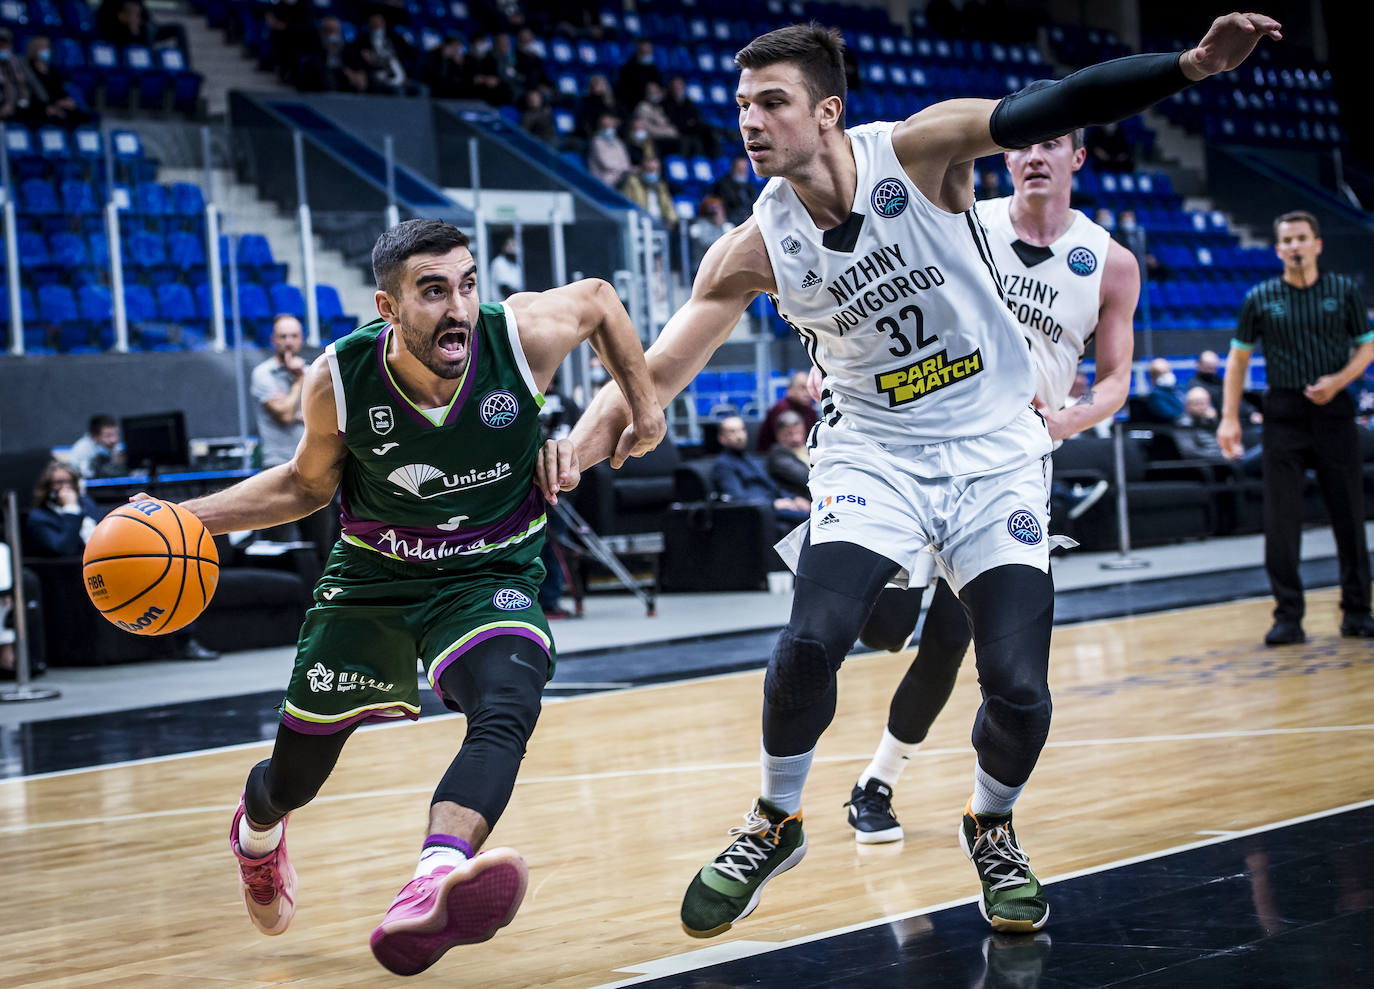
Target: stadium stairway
251, 213
224, 65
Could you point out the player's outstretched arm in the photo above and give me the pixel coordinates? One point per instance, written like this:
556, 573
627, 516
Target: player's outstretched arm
734, 271
552, 323
959, 131
1114, 347
291, 490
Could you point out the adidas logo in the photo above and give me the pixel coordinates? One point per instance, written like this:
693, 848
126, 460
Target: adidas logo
811, 280
829, 519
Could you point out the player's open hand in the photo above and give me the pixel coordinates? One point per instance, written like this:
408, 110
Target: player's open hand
556, 469
1228, 438
640, 436
1228, 42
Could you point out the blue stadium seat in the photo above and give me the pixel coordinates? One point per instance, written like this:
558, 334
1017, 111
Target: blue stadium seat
334, 322
139, 305
94, 303
33, 250
68, 250
254, 251
150, 199
78, 198
186, 200
287, 299
57, 304
37, 197
102, 58
176, 304
146, 249
185, 252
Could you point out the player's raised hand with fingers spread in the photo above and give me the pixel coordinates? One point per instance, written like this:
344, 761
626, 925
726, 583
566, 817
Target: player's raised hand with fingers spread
1228, 42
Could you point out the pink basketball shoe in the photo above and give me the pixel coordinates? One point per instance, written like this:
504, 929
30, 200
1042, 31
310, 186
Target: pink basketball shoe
269, 883
451, 906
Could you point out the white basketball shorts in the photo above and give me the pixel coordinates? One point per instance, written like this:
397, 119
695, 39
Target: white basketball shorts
954, 498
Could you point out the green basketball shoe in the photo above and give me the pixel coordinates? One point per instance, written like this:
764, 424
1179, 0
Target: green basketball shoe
727, 888
1013, 901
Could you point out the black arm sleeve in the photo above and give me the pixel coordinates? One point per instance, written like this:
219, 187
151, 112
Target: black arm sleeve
1098, 94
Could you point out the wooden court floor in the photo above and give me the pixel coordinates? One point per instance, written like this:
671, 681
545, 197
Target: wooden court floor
1167, 729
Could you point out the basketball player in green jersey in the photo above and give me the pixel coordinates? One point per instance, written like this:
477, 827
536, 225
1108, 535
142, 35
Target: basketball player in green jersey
427, 417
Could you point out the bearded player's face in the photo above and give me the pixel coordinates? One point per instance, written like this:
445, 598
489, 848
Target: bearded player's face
437, 310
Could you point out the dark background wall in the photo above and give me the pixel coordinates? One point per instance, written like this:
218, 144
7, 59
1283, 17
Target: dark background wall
46, 400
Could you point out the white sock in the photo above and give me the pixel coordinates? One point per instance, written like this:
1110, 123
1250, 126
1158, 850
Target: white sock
258, 844
784, 777
990, 796
440, 850
889, 760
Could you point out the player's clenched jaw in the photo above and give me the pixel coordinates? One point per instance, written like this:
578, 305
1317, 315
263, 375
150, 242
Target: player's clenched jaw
435, 309
780, 126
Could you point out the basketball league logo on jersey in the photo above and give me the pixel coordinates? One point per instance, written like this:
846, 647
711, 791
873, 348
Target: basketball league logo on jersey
1082, 261
791, 246
889, 198
1024, 527
499, 409
381, 418
509, 599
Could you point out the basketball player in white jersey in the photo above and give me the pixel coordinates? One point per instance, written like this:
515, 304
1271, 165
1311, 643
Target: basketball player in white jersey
1066, 282
866, 241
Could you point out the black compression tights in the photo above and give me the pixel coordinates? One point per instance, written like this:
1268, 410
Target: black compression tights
498, 685
927, 684
836, 586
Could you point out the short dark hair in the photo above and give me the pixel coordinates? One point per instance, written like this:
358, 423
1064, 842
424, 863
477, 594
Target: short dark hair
1298, 216
398, 244
98, 422
817, 51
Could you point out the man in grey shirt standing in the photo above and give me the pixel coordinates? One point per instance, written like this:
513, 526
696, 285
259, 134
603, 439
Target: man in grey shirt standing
275, 385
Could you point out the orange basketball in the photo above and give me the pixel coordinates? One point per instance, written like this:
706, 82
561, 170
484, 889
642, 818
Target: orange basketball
150, 567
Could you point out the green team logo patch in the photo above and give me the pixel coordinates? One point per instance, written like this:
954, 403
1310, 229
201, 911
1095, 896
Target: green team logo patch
499, 409
509, 599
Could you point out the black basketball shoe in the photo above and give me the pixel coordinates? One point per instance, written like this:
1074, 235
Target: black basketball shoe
870, 814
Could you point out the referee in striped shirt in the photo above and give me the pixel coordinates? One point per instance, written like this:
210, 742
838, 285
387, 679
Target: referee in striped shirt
1317, 340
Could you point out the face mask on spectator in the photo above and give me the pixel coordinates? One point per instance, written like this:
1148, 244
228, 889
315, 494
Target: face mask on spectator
640, 135
646, 60
607, 133
1166, 380
651, 177
4, 54
45, 56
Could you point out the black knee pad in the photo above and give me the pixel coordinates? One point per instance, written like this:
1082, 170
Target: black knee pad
1008, 737
799, 672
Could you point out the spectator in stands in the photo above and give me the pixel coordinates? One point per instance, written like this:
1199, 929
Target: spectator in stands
1196, 430
275, 385
696, 137
536, 119
742, 478
48, 99
62, 517
637, 73
126, 22
1164, 402
384, 55
796, 399
990, 186
736, 190
1110, 148
98, 453
789, 461
597, 102
493, 77
504, 270
1131, 235
650, 116
60, 522
648, 189
708, 227
15, 99
1208, 376
448, 71
330, 64
608, 159
529, 62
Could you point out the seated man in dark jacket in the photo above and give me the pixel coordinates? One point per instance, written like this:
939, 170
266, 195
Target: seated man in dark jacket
744, 479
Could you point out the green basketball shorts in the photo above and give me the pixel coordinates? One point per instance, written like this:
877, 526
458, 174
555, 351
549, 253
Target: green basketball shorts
373, 617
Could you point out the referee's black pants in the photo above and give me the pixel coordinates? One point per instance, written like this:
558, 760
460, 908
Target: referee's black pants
1300, 435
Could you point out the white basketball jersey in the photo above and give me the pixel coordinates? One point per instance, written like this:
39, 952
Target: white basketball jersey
900, 307
1054, 292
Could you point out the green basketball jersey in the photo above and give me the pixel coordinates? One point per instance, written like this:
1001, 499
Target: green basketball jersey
451, 487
